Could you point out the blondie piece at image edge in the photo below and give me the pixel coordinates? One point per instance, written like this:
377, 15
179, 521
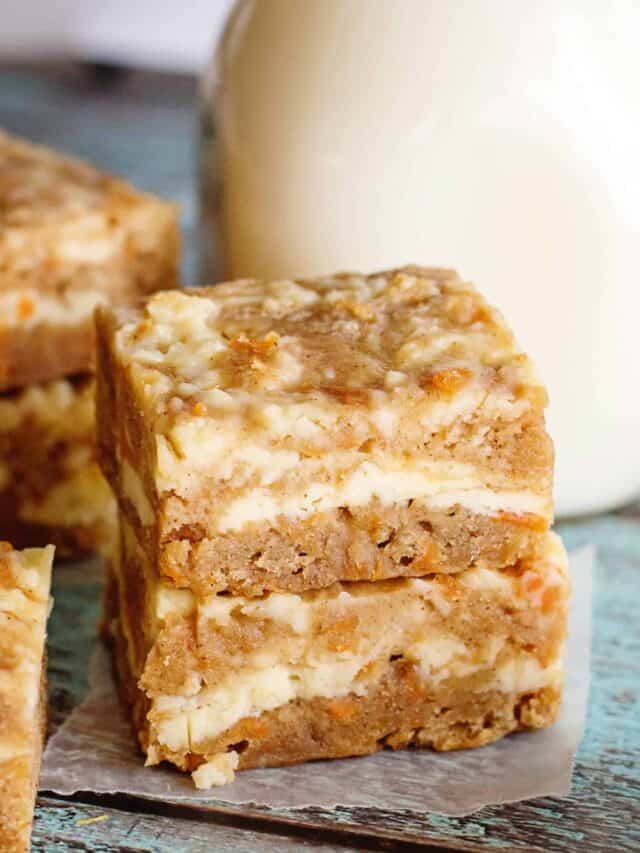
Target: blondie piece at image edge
288, 435
51, 487
71, 237
449, 661
25, 579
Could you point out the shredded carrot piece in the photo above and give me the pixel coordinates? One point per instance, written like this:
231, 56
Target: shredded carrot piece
525, 519
26, 308
449, 380
341, 709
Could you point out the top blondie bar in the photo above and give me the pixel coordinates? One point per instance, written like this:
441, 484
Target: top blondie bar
285, 435
71, 237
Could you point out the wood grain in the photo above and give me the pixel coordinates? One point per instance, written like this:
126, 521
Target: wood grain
99, 828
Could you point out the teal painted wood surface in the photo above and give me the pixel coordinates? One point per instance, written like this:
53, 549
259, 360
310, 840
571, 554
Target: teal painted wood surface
79, 826
144, 129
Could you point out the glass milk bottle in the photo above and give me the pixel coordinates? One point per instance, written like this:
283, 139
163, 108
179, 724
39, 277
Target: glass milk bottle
501, 138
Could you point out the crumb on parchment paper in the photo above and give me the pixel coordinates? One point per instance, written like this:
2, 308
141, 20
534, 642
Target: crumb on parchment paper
218, 771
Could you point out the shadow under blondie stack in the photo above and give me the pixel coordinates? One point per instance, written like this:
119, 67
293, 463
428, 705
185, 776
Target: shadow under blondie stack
71, 238
334, 500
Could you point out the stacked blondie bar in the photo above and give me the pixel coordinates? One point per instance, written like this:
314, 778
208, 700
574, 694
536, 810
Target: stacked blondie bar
71, 238
334, 501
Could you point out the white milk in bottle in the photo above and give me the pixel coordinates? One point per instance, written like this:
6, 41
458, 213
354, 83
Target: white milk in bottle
499, 137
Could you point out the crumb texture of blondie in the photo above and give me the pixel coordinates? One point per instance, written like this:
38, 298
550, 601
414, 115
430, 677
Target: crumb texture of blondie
445, 661
71, 238
51, 487
25, 579
307, 432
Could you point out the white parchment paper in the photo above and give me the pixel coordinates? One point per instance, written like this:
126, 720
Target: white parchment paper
94, 750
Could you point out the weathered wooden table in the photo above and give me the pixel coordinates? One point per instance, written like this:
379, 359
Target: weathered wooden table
143, 128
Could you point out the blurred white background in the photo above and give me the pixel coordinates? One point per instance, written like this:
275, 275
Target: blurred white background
162, 34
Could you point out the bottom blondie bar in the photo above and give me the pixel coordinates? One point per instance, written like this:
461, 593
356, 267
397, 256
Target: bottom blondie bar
25, 579
51, 489
443, 661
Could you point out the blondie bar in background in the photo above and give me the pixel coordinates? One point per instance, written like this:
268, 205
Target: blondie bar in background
25, 579
71, 238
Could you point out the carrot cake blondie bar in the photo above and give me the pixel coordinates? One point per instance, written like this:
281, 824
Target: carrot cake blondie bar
287, 435
446, 661
71, 237
51, 487
25, 579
